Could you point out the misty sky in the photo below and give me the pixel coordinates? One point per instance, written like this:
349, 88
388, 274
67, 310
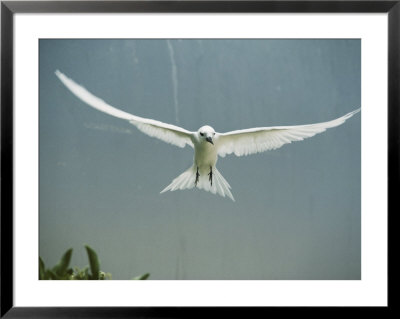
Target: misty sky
297, 213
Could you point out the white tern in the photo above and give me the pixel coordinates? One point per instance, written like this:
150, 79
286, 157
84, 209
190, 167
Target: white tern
207, 143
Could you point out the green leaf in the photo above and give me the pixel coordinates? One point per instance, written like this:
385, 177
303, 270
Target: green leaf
50, 275
61, 268
42, 269
94, 262
142, 277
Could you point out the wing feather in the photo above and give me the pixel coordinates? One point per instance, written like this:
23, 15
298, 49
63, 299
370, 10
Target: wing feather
166, 132
261, 139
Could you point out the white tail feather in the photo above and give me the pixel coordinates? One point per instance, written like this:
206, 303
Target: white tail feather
186, 181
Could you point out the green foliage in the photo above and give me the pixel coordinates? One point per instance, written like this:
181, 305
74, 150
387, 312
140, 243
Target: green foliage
142, 277
61, 271
42, 269
94, 263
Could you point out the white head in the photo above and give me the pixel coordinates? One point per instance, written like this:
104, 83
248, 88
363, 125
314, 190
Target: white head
206, 133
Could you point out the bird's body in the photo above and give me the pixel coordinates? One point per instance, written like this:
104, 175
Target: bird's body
205, 154
208, 145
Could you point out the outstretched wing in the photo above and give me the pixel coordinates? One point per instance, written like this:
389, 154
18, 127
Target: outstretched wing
166, 132
261, 139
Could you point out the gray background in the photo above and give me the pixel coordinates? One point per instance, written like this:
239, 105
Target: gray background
297, 209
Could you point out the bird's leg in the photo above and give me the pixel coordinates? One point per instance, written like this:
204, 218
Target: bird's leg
210, 175
197, 177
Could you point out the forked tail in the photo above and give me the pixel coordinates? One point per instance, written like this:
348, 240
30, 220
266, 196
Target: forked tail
187, 181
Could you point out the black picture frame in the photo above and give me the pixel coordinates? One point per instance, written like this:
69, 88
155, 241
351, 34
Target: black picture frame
9, 8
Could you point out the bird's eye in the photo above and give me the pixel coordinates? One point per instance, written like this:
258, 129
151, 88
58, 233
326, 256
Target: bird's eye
201, 134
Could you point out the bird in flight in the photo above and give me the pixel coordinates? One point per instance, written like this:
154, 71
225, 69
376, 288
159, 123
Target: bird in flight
208, 144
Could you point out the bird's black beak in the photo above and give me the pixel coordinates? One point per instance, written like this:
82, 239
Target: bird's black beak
209, 139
